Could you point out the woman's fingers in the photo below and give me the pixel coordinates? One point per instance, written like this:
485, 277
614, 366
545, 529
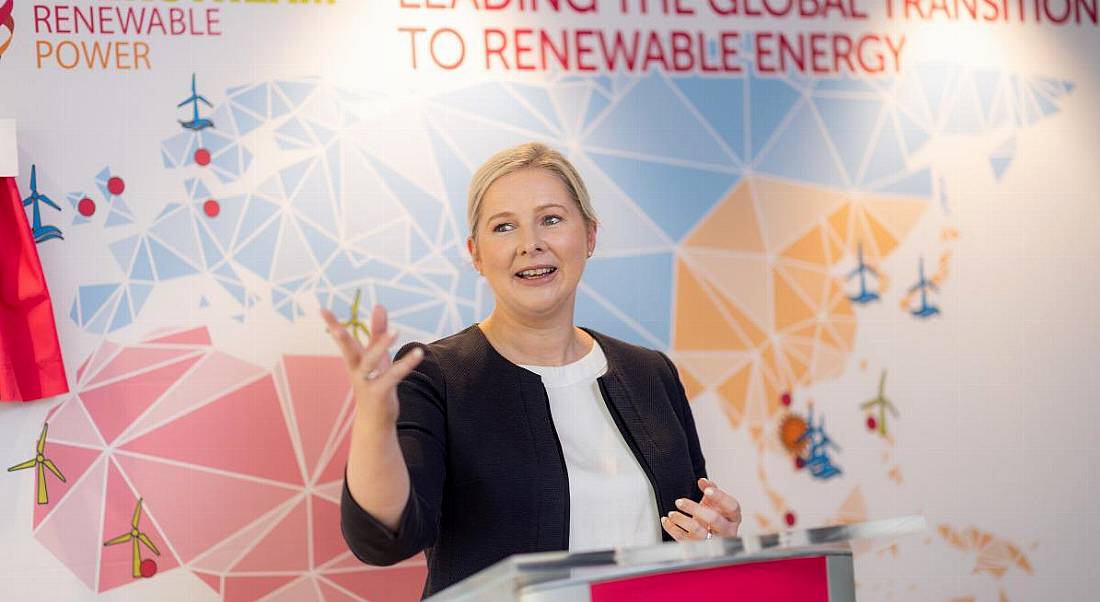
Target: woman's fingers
376, 357
379, 322
710, 518
364, 360
349, 347
717, 498
682, 526
402, 367
718, 513
676, 532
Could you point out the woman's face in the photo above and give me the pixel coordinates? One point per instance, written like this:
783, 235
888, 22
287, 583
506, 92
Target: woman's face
530, 222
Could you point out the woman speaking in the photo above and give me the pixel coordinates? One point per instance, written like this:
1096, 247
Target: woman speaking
522, 433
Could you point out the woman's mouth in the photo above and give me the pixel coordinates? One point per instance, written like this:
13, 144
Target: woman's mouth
540, 274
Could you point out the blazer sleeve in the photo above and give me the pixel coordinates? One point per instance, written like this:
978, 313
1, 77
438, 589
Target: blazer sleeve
683, 411
421, 433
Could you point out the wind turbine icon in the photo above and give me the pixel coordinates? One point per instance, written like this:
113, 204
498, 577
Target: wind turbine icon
354, 322
883, 404
865, 295
926, 309
137, 537
196, 123
42, 463
39, 231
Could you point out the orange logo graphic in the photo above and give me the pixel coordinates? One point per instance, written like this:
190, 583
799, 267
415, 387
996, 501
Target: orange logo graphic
6, 22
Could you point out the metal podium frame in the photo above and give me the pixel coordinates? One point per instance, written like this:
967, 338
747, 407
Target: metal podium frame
560, 576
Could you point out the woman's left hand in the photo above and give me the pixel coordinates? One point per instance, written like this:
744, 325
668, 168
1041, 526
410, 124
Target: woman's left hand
718, 513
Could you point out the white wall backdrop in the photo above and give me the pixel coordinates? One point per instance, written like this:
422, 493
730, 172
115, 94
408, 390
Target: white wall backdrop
198, 240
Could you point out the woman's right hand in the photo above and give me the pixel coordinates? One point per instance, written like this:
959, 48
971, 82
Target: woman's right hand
373, 375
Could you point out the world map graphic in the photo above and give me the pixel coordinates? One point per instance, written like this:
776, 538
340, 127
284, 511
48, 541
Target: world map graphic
731, 211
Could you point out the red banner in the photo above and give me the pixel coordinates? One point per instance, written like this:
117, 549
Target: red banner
31, 366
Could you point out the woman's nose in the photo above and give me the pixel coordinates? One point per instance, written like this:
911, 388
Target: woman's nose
531, 246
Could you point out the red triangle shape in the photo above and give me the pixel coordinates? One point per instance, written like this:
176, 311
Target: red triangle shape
132, 360
328, 541
284, 548
199, 509
242, 589
214, 581
194, 336
331, 594
398, 583
116, 561
335, 469
242, 432
72, 462
113, 407
318, 391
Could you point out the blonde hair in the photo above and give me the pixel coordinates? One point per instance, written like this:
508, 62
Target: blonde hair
529, 155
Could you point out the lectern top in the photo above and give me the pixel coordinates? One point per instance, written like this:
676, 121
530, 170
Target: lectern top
504, 579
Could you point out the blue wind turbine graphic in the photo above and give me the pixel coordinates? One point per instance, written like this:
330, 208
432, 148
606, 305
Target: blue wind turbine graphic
196, 123
817, 460
41, 233
865, 295
926, 309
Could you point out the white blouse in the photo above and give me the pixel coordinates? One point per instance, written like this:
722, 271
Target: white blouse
611, 502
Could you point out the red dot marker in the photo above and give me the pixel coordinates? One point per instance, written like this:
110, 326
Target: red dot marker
871, 423
799, 463
786, 399
211, 208
202, 157
86, 207
789, 518
148, 567
115, 185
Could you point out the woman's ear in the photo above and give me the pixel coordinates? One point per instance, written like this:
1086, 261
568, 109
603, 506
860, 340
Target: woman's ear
471, 248
592, 227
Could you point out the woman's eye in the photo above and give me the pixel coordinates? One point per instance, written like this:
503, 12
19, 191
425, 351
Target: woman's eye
508, 226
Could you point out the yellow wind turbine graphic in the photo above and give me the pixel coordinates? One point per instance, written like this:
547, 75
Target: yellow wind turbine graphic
135, 535
354, 323
42, 463
883, 405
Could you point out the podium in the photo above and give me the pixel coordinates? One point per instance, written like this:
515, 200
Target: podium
807, 565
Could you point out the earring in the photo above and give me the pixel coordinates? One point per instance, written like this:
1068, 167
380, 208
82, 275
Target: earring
590, 253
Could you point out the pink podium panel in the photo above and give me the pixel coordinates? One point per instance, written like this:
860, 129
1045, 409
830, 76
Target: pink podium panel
793, 579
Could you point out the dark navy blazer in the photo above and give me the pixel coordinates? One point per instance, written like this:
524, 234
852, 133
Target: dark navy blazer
488, 478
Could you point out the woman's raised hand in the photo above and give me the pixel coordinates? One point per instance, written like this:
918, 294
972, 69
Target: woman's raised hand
373, 375
718, 514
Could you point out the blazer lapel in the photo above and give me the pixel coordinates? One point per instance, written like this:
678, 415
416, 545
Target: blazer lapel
622, 396
550, 480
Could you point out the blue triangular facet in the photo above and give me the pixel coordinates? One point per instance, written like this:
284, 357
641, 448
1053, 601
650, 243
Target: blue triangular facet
93, 297
139, 293
915, 184
169, 265
143, 265
123, 250
721, 102
122, 317
259, 254
801, 153
674, 197
638, 287
770, 100
629, 126
253, 99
